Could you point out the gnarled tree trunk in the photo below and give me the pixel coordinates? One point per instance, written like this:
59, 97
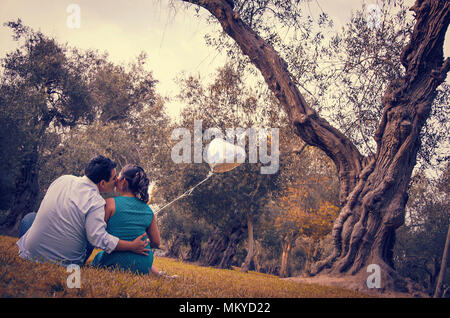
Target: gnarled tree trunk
195, 243
175, 247
213, 250
372, 189
221, 248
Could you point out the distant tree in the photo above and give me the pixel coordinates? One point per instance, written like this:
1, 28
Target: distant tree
121, 92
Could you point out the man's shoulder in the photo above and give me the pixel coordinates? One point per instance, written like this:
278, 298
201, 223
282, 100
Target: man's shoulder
66, 177
61, 182
85, 194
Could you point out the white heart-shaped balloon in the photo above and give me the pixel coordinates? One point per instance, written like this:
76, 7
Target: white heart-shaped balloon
223, 156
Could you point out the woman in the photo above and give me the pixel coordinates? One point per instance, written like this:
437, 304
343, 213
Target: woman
128, 216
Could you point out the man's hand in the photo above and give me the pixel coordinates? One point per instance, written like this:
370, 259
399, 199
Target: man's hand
137, 246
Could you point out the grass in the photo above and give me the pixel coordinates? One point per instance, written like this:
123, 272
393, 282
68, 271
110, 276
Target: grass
22, 278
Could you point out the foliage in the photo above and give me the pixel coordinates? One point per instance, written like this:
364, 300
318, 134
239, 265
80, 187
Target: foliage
310, 222
138, 144
121, 93
363, 60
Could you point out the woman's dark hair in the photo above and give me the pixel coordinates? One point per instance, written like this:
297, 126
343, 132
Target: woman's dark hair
99, 168
137, 181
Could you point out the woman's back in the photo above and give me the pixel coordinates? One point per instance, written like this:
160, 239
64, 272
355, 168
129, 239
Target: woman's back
131, 218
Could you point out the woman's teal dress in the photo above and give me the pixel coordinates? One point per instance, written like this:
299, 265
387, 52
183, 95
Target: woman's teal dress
131, 218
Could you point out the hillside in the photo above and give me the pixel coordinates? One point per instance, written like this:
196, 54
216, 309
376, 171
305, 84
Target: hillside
20, 278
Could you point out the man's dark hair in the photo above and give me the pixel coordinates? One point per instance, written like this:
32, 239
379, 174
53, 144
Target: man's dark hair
99, 169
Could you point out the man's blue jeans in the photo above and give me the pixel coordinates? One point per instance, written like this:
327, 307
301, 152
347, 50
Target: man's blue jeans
28, 220
26, 223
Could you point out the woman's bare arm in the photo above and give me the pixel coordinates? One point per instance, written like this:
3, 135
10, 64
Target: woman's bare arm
153, 233
110, 208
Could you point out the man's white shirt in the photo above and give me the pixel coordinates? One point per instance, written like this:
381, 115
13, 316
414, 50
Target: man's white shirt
71, 213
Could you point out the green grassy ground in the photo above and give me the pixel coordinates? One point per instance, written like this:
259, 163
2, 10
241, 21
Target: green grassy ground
21, 278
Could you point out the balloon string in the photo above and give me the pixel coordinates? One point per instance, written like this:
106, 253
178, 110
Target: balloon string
188, 192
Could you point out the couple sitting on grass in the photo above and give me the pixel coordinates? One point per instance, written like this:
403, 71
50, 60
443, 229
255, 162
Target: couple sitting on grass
73, 218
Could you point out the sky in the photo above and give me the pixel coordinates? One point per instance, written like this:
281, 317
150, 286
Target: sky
168, 32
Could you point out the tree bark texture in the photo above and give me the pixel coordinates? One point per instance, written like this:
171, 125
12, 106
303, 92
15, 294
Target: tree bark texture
373, 190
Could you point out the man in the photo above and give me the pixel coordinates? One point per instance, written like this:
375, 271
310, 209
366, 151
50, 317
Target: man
70, 220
